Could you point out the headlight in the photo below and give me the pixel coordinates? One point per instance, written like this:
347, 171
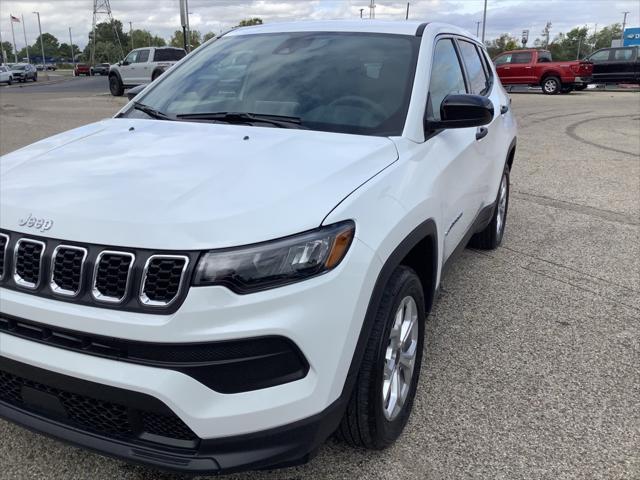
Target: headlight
275, 263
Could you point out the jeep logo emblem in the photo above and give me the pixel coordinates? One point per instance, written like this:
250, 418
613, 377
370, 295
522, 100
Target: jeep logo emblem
42, 224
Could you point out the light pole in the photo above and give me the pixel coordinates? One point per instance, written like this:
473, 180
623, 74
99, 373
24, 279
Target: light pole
26, 45
131, 33
478, 28
407, 16
44, 67
73, 57
624, 24
361, 10
484, 19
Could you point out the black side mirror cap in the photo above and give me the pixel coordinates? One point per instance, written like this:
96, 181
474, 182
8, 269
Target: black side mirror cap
131, 93
463, 111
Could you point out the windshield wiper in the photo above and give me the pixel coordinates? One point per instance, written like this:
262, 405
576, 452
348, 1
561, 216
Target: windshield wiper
281, 121
152, 112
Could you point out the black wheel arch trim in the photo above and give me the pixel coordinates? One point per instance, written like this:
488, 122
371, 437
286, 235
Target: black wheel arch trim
424, 230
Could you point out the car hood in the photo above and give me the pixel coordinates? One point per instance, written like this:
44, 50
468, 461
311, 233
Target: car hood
183, 185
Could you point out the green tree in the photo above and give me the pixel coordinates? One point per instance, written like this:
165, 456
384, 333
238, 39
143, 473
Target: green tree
604, 36
566, 46
65, 50
247, 22
208, 36
503, 43
177, 39
7, 47
144, 38
112, 39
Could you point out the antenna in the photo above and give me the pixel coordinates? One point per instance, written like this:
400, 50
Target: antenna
102, 7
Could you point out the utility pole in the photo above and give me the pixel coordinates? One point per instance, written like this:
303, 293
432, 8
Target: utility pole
131, 33
478, 28
407, 16
484, 19
624, 24
26, 45
361, 10
73, 56
44, 66
372, 9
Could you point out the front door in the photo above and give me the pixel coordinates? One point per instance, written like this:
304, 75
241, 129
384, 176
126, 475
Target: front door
128, 68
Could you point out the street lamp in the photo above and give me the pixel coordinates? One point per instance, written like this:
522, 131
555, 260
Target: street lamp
44, 66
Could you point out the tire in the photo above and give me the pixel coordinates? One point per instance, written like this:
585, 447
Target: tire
370, 421
115, 86
35, 77
551, 85
491, 237
10, 81
580, 88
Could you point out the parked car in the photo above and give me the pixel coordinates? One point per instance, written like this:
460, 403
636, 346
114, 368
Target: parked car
616, 65
141, 66
48, 66
23, 72
535, 67
245, 264
6, 76
100, 69
81, 69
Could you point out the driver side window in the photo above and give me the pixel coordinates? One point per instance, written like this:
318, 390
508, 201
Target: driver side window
131, 58
446, 77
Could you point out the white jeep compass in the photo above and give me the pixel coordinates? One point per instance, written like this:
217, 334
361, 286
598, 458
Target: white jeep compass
247, 266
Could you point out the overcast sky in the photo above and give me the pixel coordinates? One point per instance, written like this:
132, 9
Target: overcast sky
161, 17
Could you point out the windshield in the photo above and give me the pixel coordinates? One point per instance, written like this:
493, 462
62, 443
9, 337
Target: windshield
18, 67
338, 82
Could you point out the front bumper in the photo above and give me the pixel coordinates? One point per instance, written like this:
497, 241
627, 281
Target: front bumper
322, 316
284, 446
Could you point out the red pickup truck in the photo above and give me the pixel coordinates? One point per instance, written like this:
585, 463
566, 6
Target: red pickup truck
535, 67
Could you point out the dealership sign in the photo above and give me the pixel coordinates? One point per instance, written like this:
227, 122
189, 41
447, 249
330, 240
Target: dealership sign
631, 36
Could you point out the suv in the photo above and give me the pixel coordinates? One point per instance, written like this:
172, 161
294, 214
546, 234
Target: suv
616, 65
6, 75
248, 267
142, 65
23, 72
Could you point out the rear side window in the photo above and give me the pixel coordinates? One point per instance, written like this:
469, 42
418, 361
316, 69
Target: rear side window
168, 55
600, 56
521, 57
446, 77
143, 56
544, 57
623, 54
476, 74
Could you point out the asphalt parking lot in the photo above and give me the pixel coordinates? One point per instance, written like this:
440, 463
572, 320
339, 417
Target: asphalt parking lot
531, 368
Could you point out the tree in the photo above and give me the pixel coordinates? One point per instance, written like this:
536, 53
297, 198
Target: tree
208, 36
7, 48
177, 39
250, 21
144, 38
602, 39
503, 43
113, 39
566, 46
65, 51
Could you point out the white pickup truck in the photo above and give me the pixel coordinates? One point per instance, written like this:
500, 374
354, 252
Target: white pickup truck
142, 65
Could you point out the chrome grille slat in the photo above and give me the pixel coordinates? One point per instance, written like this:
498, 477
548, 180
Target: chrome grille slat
27, 262
67, 271
109, 276
162, 279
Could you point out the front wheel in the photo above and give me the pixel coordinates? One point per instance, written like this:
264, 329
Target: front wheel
383, 395
10, 81
35, 77
491, 237
551, 85
115, 86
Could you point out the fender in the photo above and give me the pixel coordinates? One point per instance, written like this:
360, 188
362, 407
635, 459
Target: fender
117, 74
426, 229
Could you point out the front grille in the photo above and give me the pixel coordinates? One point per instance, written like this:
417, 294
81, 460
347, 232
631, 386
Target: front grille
111, 419
162, 279
28, 262
4, 243
111, 277
67, 267
95, 275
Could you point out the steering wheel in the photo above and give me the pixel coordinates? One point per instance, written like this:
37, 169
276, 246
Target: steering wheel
362, 101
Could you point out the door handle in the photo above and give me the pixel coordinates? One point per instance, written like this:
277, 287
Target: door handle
481, 132
504, 109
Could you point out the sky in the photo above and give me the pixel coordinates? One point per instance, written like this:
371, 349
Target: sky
161, 17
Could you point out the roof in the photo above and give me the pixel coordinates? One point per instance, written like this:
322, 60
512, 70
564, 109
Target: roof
405, 27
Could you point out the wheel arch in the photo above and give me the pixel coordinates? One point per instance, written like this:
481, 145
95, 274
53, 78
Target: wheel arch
511, 153
550, 73
156, 73
418, 250
115, 73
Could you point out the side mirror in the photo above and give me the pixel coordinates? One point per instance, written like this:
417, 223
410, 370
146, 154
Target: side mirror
123, 62
462, 111
131, 93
